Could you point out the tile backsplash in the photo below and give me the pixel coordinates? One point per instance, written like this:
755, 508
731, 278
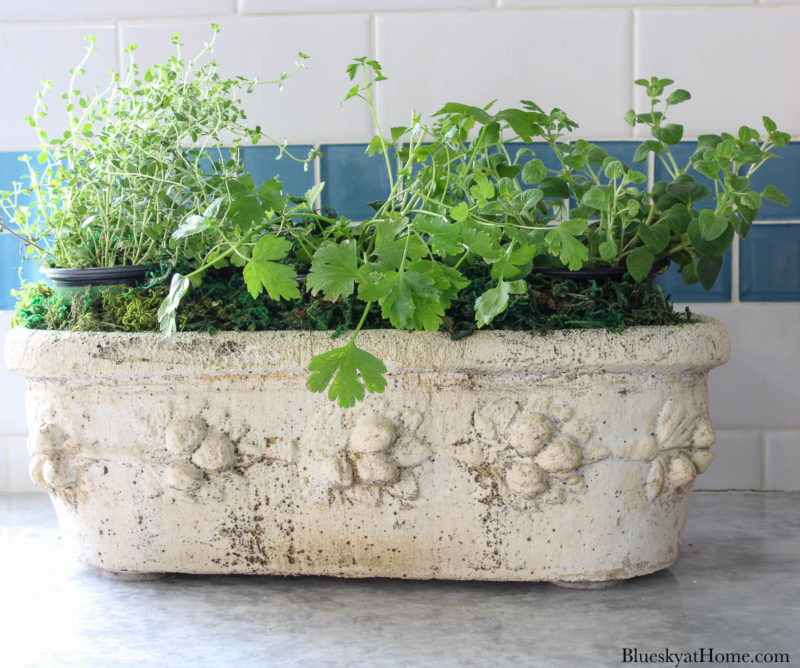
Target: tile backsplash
737, 57
770, 264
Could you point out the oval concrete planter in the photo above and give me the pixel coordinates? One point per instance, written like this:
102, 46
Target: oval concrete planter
503, 456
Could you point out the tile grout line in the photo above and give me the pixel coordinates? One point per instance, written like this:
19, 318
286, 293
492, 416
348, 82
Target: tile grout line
118, 46
634, 66
315, 140
495, 7
735, 270
317, 171
373, 53
6, 484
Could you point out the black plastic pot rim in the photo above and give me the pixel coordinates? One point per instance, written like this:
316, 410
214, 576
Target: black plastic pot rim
74, 278
597, 273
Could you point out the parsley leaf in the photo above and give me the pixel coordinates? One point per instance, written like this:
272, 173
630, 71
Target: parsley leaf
495, 300
334, 270
448, 281
562, 242
443, 237
344, 365
263, 273
270, 195
480, 243
409, 299
460, 212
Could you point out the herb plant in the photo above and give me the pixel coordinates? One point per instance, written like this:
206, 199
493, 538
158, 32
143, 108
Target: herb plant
139, 165
473, 217
462, 201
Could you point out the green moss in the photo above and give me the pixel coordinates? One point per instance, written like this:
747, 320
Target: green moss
223, 303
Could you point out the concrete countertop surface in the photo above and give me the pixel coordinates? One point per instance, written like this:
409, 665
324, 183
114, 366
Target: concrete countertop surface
735, 589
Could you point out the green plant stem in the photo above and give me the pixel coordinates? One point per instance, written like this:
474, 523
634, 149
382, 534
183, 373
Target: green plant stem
374, 115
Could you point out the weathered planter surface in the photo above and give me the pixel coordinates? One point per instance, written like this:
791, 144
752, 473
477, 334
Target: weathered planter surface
503, 456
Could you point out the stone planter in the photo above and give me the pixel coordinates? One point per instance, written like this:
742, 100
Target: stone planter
503, 456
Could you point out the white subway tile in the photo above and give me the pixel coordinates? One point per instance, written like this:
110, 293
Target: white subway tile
48, 10
4, 478
30, 53
782, 459
12, 392
759, 388
578, 61
737, 462
18, 460
737, 62
308, 110
611, 3
322, 6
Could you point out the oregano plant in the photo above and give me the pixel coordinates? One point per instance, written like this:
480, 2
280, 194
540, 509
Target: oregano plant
469, 194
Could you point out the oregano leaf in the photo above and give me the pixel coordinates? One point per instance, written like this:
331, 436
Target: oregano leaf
639, 262
655, 237
708, 268
671, 133
773, 194
711, 225
533, 172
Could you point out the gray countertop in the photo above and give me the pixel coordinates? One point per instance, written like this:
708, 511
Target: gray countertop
736, 588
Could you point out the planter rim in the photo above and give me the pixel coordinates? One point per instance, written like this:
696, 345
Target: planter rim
696, 346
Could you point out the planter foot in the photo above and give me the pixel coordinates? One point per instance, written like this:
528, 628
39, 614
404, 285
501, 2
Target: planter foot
128, 576
585, 584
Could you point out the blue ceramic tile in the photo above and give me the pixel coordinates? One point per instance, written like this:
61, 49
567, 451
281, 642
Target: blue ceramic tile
672, 283
624, 151
10, 262
784, 173
213, 156
261, 162
352, 178
13, 169
769, 264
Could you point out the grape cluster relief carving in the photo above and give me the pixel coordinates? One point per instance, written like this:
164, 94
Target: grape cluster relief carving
526, 455
377, 457
196, 451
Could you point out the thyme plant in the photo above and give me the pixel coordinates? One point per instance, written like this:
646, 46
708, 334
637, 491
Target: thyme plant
137, 162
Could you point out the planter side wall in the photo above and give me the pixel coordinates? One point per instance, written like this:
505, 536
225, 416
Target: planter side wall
502, 456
